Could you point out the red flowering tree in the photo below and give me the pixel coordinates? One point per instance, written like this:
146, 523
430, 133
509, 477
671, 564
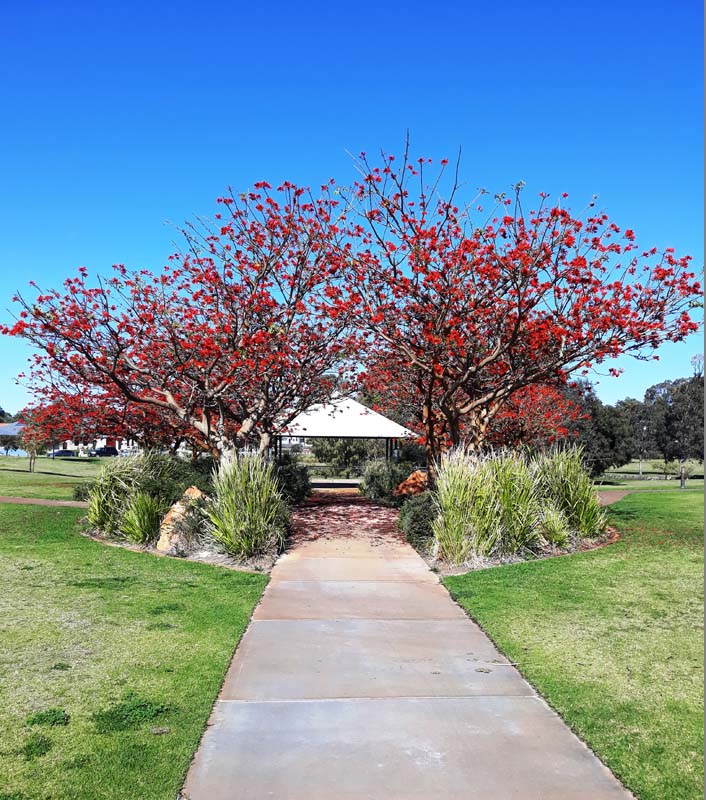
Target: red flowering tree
231, 340
537, 416
85, 416
477, 310
43, 427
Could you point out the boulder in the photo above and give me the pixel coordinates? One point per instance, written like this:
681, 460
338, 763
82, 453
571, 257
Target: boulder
415, 484
173, 539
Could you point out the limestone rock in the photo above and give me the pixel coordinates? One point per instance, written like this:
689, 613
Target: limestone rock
172, 533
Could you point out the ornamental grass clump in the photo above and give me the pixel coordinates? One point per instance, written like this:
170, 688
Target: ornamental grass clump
163, 478
140, 520
509, 503
565, 483
110, 492
518, 502
554, 527
248, 515
466, 523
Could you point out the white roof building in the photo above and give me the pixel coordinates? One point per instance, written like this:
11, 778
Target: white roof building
344, 418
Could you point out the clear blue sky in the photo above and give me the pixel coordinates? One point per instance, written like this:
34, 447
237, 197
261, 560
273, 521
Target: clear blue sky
116, 118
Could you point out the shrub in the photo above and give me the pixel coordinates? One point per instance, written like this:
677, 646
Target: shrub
381, 478
564, 482
416, 518
162, 477
293, 478
141, 518
248, 515
168, 477
672, 468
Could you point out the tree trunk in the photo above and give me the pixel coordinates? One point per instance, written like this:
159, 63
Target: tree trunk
477, 429
431, 445
265, 441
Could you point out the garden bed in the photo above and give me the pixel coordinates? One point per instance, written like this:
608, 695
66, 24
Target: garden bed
444, 569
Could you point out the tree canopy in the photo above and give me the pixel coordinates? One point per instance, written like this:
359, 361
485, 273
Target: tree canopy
464, 315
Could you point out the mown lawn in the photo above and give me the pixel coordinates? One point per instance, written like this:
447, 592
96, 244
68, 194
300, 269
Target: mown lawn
613, 639
110, 660
658, 485
53, 479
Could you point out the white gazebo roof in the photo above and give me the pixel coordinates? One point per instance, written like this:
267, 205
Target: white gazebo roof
344, 418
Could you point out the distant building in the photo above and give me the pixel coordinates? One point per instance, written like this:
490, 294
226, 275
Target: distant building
11, 428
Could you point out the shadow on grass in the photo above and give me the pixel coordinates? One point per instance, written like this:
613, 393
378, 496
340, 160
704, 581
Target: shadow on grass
40, 472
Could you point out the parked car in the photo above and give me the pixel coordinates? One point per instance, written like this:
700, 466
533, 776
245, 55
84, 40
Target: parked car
63, 453
105, 452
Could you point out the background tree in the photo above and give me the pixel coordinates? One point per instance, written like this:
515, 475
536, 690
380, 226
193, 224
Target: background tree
675, 413
347, 456
479, 310
9, 444
604, 432
685, 419
233, 338
43, 427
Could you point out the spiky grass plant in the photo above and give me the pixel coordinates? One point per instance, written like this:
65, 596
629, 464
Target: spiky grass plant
140, 520
564, 482
509, 503
248, 515
466, 523
109, 493
554, 527
162, 477
517, 499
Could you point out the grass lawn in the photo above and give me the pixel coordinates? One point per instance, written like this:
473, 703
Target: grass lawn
638, 485
633, 467
613, 639
54, 479
110, 660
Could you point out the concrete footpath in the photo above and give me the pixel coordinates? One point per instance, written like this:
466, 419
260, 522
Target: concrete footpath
359, 677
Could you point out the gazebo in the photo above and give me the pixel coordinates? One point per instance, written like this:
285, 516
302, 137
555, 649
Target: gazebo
344, 418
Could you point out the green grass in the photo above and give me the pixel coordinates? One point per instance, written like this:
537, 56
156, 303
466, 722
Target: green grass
633, 468
110, 660
614, 639
54, 479
619, 484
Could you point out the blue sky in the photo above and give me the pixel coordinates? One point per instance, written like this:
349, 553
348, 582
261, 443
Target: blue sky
117, 120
